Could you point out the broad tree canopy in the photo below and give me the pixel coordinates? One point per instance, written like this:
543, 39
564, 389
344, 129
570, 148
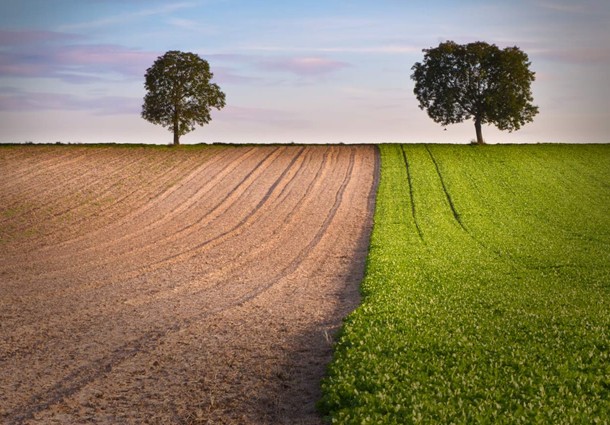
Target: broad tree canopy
179, 93
477, 80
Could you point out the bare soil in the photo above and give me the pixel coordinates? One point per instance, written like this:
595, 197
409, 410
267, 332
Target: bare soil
193, 285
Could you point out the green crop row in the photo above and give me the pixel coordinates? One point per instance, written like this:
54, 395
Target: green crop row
487, 291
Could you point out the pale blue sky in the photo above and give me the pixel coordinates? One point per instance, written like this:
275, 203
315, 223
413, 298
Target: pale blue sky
317, 71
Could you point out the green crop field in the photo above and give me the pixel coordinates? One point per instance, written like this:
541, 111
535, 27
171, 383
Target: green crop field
487, 292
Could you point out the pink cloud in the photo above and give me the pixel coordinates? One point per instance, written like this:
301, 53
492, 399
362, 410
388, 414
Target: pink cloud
14, 65
586, 55
304, 66
23, 37
15, 100
95, 58
44, 54
226, 75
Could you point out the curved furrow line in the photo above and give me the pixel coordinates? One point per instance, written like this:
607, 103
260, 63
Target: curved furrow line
268, 199
113, 166
30, 181
177, 205
63, 293
317, 180
189, 253
98, 211
136, 251
122, 283
13, 176
287, 189
260, 243
272, 242
190, 201
31, 159
35, 167
52, 239
296, 262
47, 239
128, 221
168, 181
61, 194
67, 183
411, 197
213, 160
286, 270
84, 375
28, 195
249, 254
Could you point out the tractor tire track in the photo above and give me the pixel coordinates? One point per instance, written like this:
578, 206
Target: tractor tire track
458, 219
454, 212
411, 197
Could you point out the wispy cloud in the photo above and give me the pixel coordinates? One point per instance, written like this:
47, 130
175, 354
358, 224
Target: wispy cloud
303, 66
562, 6
124, 18
72, 63
583, 56
229, 75
379, 49
185, 24
105, 105
113, 58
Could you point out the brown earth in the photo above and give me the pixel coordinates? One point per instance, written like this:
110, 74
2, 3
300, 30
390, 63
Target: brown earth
191, 285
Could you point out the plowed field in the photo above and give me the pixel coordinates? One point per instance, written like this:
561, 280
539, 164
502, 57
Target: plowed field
190, 285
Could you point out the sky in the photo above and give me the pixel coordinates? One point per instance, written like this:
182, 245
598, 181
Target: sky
318, 71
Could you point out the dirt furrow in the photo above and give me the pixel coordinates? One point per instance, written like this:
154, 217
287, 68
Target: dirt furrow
113, 274
28, 183
95, 254
33, 165
110, 276
261, 239
65, 292
133, 195
268, 237
100, 176
233, 325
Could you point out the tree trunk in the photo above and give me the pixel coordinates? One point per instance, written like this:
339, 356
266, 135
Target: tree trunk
176, 127
477, 127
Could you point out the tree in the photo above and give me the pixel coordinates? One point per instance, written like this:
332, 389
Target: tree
179, 93
480, 81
